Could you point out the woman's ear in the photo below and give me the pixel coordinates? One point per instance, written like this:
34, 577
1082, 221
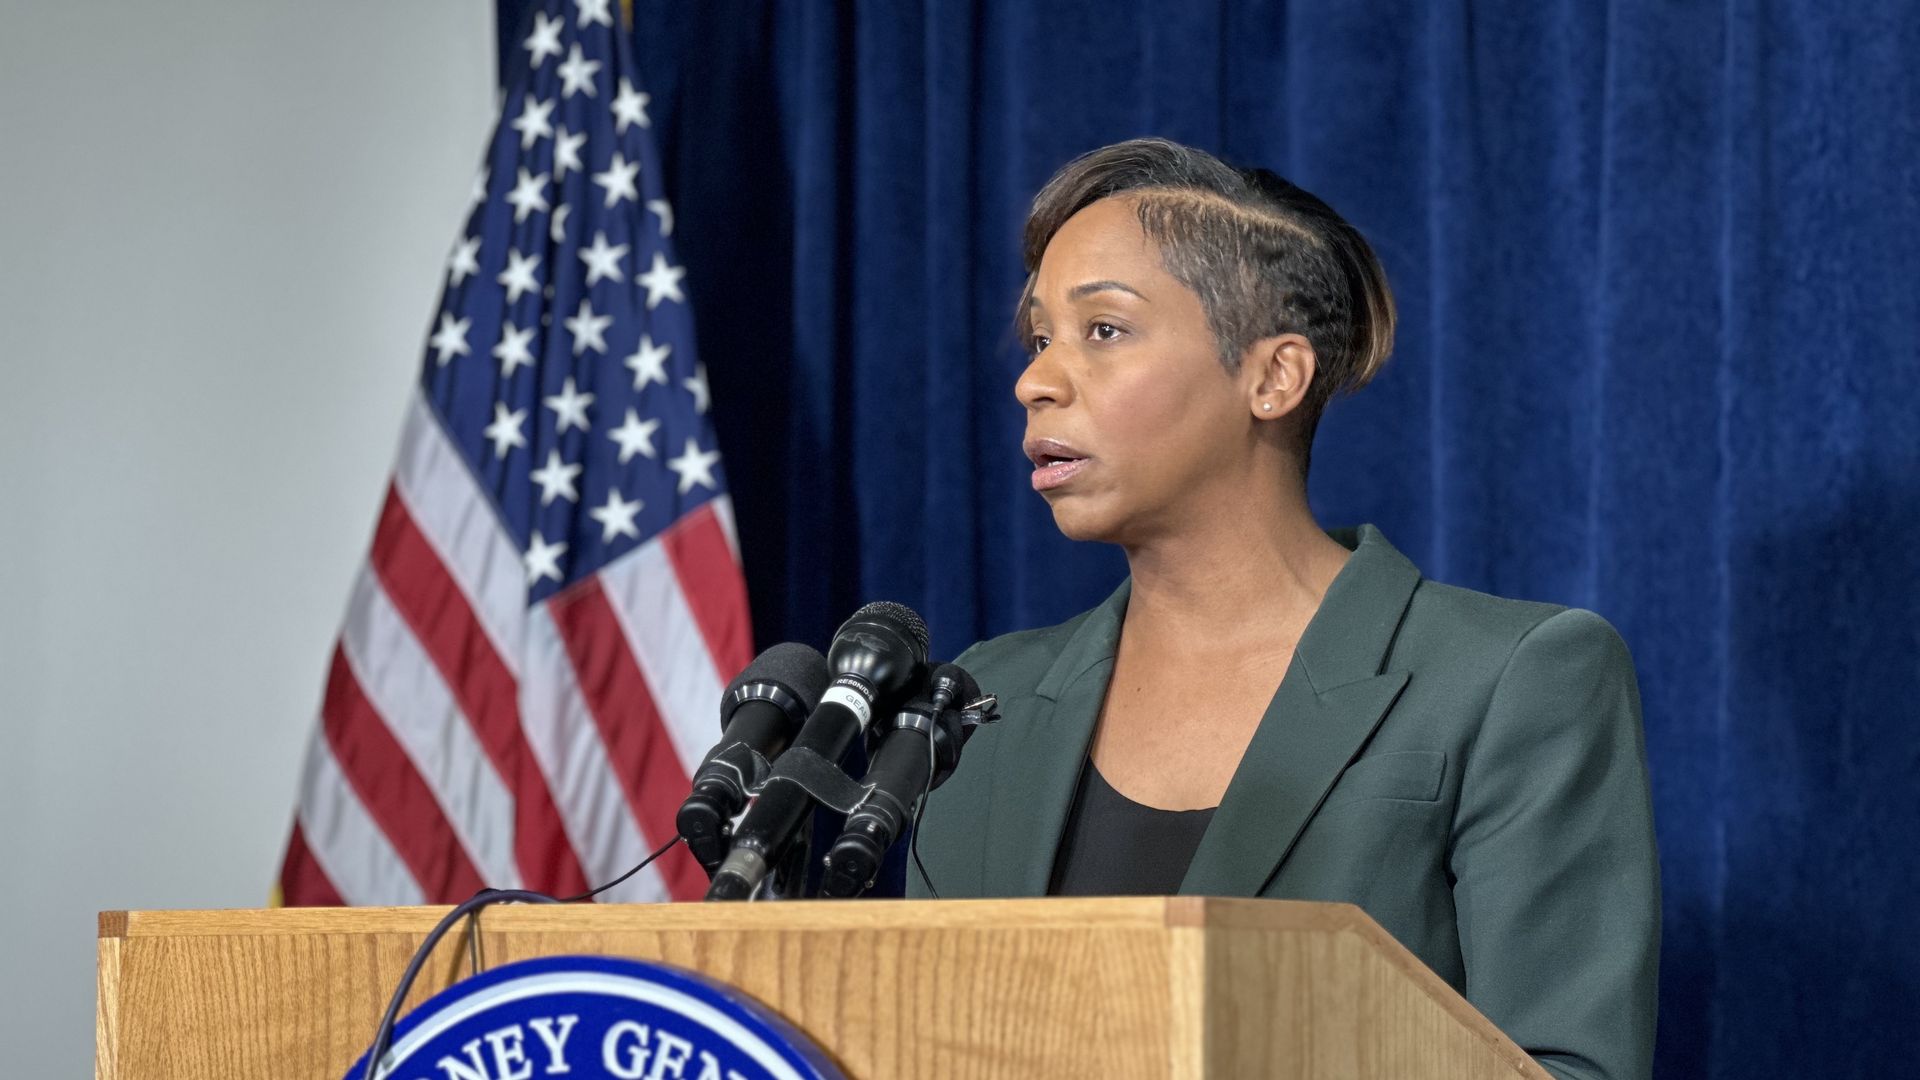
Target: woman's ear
1279, 370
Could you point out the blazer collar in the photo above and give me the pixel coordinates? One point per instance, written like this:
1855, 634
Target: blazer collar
1332, 697
1038, 759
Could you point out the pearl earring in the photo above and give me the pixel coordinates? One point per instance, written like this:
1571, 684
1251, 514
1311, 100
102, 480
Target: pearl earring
1267, 406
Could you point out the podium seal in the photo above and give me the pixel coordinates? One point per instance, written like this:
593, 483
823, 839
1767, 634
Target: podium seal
596, 1018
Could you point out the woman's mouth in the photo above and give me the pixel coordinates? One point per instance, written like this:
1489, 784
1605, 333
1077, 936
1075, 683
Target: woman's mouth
1055, 473
1054, 463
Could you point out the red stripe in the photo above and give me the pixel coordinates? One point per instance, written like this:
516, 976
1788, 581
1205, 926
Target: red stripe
711, 581
393, 791
302, 881
442, 619
638, 747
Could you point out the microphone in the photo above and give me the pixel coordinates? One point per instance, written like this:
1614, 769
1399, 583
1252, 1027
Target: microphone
915, 756
761, 709
877, 655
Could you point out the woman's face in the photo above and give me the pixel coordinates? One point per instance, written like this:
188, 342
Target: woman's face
1132, 421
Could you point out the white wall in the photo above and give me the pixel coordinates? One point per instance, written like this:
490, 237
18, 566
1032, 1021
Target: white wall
221, 228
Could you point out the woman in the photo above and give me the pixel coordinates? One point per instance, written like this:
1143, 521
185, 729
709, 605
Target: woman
1264, 708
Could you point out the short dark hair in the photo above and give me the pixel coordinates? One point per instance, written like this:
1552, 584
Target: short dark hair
1265, 257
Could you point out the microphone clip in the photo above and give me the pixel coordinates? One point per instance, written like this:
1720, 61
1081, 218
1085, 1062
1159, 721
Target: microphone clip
984, 710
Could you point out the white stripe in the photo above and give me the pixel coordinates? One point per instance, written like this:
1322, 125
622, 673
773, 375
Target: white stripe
458, 520
350, 848
666, 641
564, 740
723, 509
411, 696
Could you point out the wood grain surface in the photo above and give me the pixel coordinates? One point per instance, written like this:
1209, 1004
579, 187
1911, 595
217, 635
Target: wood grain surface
1180, 987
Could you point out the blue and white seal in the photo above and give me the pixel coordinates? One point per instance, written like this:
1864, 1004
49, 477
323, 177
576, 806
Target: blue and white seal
597, 1018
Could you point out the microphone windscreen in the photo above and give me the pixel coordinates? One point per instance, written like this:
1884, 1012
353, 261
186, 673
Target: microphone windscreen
799, 668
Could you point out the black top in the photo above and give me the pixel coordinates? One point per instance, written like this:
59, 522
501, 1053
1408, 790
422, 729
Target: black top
1114, 846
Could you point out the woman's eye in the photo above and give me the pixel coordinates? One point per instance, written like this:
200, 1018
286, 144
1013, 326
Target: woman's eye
1104, 331
1039, 342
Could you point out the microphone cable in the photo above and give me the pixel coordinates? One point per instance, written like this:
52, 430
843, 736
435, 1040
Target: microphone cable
383, 1038
920, 809
913, 845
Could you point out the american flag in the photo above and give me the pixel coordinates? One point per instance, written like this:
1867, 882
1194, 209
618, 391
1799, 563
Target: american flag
534, 653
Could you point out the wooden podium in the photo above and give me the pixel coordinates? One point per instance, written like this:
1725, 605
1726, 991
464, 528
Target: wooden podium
1174, 987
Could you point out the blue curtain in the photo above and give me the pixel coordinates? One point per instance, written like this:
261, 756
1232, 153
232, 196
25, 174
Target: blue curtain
1659, 357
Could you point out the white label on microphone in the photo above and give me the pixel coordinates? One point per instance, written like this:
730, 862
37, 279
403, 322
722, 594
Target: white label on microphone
851, 699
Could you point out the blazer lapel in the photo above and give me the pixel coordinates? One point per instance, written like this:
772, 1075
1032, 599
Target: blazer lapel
1334, 694
1039, 760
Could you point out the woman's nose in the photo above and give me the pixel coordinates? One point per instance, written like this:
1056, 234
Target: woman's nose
1043, 383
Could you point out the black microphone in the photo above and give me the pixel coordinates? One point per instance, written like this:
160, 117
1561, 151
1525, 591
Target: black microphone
762, 708
915, 756
877, 656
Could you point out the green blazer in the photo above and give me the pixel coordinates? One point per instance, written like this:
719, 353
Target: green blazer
1468, 770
